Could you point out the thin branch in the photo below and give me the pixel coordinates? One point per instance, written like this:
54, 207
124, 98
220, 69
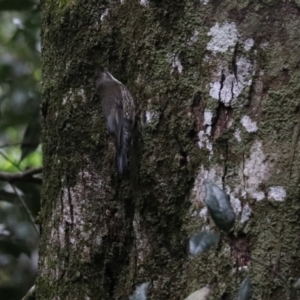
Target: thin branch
7, 145
26, 208
10, 145
9, 160
27, 175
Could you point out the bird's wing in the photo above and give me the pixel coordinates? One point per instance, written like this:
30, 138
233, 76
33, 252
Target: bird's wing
119, 122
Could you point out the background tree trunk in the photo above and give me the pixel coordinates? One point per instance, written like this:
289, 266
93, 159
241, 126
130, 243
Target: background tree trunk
217, 87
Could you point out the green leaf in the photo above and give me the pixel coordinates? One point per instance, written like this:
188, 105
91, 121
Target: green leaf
141, 292
245, 290
219, 206
31, 138
202, 242
199, 295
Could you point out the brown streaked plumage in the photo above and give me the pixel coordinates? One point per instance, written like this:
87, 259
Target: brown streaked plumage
119, 111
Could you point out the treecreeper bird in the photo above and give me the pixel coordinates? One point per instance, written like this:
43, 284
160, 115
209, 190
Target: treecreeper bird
119, 112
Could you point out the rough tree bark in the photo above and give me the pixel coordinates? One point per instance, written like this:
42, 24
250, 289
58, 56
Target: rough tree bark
217, 87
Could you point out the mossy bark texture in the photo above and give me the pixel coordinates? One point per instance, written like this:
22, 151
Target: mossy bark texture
217, 91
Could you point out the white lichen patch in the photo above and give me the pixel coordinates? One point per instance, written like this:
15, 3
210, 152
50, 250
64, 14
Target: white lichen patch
246, 213
203, 135
276, 193
214, 174
256, 170
215, 88
229, 123
248, 44
237, 135
208, 115
72, 241
151, 116
248, 124
204, 141
194, 38
223, 37
204, 1
235, 203
82, 94
144, 3
176, 64
233, 84
258, 196
203, 214
104, 14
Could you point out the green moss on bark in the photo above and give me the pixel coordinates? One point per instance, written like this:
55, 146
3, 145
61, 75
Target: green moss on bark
139, 45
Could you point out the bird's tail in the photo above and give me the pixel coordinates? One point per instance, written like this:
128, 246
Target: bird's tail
123, 147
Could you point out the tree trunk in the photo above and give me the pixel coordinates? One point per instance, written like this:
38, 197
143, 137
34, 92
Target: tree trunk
216, 86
